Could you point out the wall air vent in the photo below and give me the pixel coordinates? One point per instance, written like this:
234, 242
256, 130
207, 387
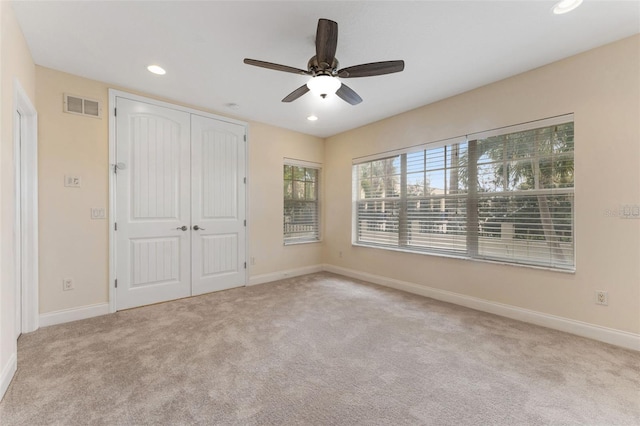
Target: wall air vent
83, 106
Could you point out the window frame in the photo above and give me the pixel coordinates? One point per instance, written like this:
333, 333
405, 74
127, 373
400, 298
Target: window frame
467, 252
288, 241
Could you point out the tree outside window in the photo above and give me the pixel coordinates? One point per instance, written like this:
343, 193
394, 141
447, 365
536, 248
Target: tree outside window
506, 197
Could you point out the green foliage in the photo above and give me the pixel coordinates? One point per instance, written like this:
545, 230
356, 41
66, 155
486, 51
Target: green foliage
380, 179
536, 159
533, 159
300, 183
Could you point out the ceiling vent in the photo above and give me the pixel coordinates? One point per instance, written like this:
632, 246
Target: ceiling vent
82, 106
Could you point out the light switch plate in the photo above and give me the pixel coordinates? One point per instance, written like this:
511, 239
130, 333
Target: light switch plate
72, 181
67, 284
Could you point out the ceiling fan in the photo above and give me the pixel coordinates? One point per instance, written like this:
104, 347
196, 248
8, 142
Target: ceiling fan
323, 68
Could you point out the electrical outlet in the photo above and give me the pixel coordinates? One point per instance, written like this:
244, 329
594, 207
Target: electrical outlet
340, 254
602, 298
98, 213
72, 181
253, 260
67, 284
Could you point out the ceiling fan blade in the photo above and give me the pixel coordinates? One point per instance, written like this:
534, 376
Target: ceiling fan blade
348, 95
296, 94
326, 42
276, 67
374, 68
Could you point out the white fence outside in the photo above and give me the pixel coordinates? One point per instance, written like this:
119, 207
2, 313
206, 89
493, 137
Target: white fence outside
505, 247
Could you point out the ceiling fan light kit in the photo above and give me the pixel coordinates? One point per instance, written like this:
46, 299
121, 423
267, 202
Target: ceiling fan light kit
323, 85
323, 68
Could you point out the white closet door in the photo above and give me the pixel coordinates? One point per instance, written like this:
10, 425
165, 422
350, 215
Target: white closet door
153, 261
218, 205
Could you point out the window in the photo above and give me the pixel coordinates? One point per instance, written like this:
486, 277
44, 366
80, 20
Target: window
504, 195
301, 213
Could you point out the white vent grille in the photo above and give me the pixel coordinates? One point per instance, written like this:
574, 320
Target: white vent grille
74, 105
82, 106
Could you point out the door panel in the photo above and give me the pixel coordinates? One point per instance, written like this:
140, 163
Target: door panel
219, 254
219, 172
153, 261
218, 205
155, 170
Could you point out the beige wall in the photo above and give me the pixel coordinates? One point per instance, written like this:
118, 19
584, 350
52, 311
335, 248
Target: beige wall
269, 146
15, 64
602, 88
73, 245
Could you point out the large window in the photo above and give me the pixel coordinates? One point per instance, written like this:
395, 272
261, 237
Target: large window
503, 195
301, 209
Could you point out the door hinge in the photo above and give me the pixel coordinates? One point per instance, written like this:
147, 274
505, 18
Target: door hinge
115, 226
245, 180
245, 265
245, 138
116, 283
115, 112
245, 222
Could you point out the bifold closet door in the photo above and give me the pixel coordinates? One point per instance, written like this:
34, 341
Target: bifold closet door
217, 204
153, 204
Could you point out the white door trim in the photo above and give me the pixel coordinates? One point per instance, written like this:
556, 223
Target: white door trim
26, 181
113, 94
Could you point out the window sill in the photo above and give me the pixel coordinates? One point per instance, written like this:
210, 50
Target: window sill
295, 243
461, 257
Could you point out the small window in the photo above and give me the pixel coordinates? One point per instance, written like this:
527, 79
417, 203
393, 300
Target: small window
301, 209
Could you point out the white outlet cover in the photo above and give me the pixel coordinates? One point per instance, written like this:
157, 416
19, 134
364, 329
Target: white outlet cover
602, 298
98, 213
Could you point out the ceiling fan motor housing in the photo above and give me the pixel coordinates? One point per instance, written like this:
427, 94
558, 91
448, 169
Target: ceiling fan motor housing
316, 69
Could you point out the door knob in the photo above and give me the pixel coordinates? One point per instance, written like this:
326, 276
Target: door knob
182, 228
196, 228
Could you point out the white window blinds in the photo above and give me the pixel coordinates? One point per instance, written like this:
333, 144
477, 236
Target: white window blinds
505, 195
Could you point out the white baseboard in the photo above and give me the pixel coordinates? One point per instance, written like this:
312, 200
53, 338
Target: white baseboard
73, 314
7, 374
592, 331
604, 334
280, 275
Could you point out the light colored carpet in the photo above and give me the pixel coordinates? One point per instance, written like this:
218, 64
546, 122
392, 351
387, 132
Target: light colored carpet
318, 349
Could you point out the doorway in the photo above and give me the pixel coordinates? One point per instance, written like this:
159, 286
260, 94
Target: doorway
26, 211
18, 237
178, 202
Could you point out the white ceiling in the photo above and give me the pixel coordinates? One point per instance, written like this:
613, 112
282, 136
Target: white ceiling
448, 47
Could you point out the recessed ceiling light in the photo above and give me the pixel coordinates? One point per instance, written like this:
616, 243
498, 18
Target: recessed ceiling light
156, 69
312, 118
565, 6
